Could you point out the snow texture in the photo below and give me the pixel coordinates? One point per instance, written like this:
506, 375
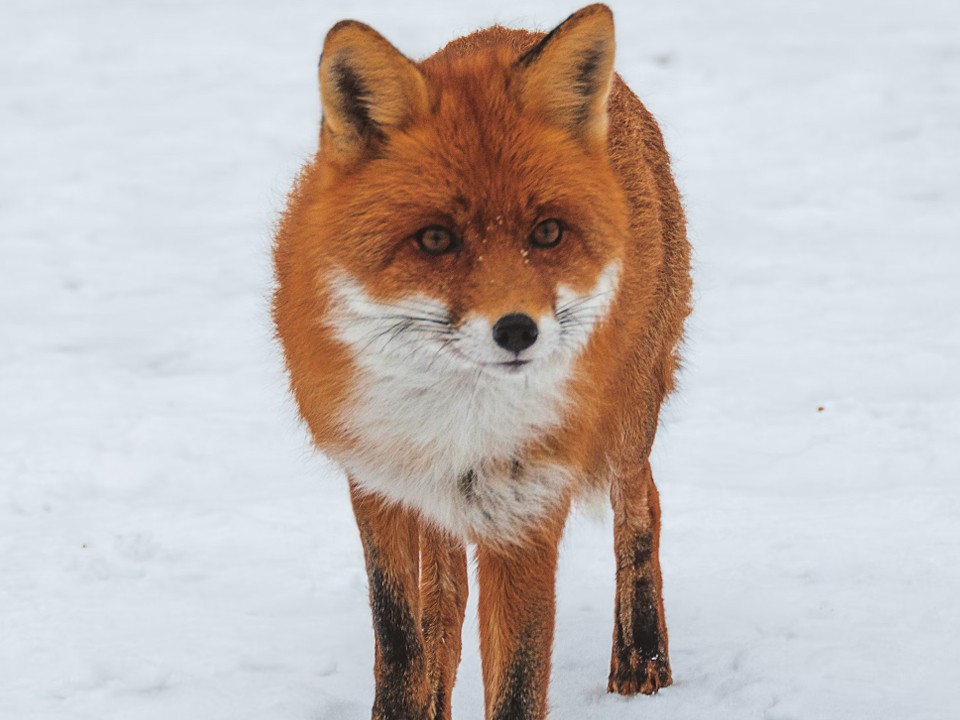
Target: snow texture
170, 546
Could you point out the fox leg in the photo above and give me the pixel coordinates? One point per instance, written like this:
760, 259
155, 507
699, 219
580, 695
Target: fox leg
639, 662
517, 601
390, 536
443, 602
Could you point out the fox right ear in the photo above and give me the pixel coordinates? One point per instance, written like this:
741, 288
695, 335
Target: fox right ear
567, 76
367, 88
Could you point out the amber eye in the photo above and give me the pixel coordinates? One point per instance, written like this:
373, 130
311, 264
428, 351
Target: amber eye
547, 234
436, 240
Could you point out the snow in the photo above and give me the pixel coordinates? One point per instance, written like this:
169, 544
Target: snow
170, 546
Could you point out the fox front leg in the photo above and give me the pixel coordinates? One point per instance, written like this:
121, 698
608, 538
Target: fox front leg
390, 537
443, 602
639, 662
517, 604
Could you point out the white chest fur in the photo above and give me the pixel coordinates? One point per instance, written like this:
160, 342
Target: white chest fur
451, 446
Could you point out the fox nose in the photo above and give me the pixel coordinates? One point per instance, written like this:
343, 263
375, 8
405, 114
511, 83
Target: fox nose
515, 332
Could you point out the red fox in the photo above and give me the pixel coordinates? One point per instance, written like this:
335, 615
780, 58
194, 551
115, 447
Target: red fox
482, 280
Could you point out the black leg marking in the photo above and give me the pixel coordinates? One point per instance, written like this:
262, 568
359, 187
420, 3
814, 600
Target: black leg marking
646, 631
401, 654
643, 643
393, 623
642, 551
518, 697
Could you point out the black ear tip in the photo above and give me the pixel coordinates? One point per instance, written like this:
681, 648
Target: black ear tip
344, 24
598, 11
598, 14
348, 31
330, 42
595, 9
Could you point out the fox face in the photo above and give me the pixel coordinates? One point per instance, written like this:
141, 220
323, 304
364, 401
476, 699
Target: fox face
478, 234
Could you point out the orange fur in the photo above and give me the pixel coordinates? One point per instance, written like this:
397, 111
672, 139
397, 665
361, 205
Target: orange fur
495, 133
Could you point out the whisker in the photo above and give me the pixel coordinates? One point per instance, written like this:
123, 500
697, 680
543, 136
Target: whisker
582, 318
577, 302
416, 318
423, 310
378, 333
451, 340
404, 332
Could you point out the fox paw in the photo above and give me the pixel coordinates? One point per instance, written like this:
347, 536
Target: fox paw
637, 675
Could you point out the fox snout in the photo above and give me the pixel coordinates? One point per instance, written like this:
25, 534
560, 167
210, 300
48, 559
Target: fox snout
515, 332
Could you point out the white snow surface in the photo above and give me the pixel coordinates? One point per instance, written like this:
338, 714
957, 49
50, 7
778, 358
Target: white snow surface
170, 545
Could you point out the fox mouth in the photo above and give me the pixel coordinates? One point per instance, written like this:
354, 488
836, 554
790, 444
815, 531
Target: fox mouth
511, 365
506, 368
498, 366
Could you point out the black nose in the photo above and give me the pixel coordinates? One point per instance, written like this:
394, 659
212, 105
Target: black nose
515, 332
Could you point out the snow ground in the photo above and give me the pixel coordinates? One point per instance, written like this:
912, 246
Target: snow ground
171, 548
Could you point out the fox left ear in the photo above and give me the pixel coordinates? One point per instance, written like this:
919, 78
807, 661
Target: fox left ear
567, 76
367, 88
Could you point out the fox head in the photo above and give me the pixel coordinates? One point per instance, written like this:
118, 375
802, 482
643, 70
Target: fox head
465, 213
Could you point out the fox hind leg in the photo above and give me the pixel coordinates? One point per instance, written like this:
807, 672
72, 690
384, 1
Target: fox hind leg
639, 662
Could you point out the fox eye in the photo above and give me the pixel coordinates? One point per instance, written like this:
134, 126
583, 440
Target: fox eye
547, 234
435, 240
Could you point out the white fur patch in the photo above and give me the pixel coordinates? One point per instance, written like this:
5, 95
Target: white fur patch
442, 419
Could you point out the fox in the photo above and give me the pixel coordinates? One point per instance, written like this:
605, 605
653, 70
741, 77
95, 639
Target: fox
481, 283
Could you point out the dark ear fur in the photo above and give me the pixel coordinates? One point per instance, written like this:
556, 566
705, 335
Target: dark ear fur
367, 88
567, 76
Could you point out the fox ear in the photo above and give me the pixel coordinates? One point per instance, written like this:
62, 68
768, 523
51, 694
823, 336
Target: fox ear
567, 76
367, 88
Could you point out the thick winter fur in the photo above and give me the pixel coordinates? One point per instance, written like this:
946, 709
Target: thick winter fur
448, 437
